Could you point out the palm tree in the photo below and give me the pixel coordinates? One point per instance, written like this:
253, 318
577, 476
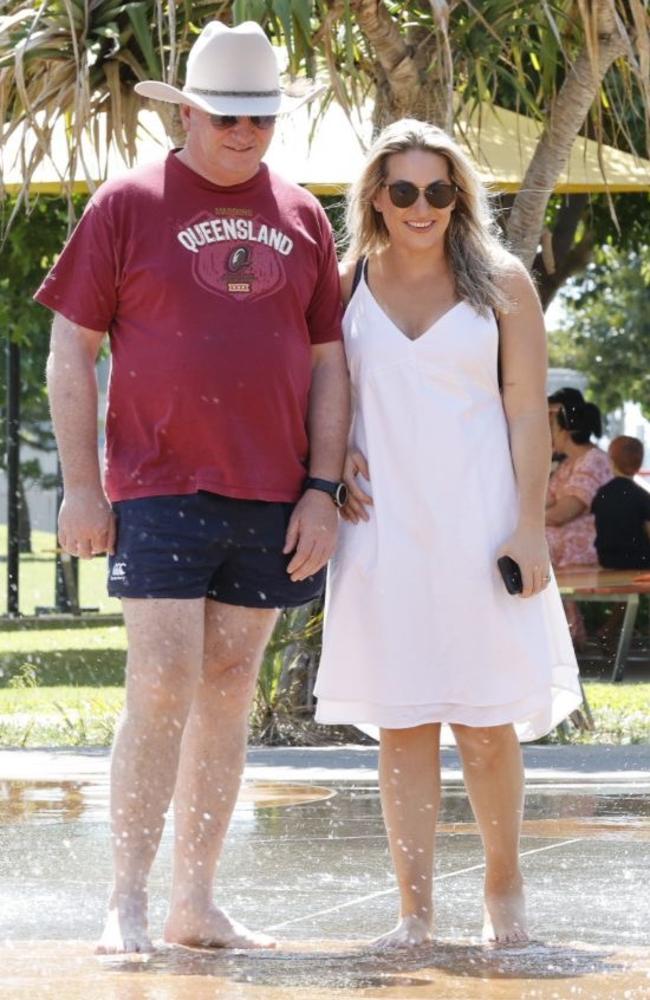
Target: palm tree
575, 66
77, 61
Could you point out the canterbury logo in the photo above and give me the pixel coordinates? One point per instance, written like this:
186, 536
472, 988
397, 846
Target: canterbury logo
119, 571
239, 259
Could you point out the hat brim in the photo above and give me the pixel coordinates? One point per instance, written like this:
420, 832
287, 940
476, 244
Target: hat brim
281, 104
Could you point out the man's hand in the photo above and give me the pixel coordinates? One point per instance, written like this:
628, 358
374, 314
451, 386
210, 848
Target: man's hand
86, 523
311, 534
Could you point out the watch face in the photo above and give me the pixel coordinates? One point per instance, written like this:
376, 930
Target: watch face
341, 495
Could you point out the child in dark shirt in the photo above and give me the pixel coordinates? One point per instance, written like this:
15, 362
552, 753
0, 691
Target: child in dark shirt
622, 511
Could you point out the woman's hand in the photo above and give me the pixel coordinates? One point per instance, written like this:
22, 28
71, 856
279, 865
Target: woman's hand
527, 546
355, 508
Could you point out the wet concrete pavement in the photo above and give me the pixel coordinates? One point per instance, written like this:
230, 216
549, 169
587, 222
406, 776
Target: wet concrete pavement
307, 859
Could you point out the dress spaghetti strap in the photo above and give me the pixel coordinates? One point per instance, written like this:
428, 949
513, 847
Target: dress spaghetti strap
358, 271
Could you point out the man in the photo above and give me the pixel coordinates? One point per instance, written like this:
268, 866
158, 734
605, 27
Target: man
225, 433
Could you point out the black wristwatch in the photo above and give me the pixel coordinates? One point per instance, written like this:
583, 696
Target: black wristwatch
337, 491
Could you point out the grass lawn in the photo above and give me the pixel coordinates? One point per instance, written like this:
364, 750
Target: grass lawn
61, 687
59, 716
92, 657
621, 712
36, 577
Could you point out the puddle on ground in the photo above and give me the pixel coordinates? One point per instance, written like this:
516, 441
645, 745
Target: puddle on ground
43, 801
310, 864
584, 812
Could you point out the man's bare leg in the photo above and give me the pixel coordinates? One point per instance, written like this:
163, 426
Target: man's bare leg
494, 778
165, 639
212, 761
409, 781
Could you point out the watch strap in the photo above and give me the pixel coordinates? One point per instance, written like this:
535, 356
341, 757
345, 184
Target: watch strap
337, 491
326, 485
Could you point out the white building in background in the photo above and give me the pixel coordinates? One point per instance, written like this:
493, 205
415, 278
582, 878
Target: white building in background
565, 378
630, 420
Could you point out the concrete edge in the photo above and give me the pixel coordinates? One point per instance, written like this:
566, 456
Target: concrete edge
545, 765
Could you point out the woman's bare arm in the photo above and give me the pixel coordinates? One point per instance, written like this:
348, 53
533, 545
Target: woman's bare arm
523, 366
564, 510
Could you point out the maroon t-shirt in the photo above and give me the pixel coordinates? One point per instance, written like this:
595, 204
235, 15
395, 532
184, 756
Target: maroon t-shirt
212, 298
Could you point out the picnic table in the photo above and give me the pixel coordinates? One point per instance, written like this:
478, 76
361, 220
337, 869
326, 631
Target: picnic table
624, 586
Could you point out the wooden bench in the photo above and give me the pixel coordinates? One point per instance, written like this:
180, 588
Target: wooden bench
624, 586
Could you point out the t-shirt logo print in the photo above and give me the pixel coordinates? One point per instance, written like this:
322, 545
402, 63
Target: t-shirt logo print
238, 260
241, 258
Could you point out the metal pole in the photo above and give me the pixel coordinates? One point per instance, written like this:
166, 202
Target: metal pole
13, 472
66, 568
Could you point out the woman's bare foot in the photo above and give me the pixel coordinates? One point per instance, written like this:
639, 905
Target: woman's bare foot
504, 915
409, 933
210, 928
125, 929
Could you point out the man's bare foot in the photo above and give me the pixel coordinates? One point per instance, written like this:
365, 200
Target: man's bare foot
409, 933
211, 928
504, 916
125, 929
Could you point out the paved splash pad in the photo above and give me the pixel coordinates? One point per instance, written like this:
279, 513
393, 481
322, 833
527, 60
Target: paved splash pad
307, 859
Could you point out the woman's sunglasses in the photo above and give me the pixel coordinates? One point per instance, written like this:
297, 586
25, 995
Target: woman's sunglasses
229, 121
403, 194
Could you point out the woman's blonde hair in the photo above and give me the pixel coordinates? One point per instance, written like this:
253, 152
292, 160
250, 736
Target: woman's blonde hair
474, 248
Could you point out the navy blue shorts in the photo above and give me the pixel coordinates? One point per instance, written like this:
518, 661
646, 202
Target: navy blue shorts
205, 545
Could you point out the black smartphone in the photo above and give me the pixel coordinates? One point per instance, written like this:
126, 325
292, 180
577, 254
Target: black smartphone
511, 574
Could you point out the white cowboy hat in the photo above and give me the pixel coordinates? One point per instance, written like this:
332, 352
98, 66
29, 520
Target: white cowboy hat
230, 71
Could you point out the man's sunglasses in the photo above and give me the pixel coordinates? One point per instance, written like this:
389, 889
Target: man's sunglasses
229, 121
403, 194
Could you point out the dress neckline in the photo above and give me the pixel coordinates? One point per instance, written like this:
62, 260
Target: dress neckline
396, 327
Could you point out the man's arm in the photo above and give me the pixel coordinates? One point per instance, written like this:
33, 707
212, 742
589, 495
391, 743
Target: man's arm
312, 529
86, 523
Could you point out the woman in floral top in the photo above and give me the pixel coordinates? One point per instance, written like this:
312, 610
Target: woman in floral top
571, 529
570, 525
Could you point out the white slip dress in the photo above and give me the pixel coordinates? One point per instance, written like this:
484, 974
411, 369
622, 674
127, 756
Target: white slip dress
418, 626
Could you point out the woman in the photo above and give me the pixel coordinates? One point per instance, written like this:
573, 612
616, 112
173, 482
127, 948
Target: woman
571, 528
570, 525
420, 630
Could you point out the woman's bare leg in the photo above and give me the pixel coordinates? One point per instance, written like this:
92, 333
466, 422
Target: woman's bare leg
494, 778
409, 782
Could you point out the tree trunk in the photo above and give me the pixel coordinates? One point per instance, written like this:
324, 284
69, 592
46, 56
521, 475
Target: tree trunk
424, 104
170, 116
568, 258
413, 74
567, 117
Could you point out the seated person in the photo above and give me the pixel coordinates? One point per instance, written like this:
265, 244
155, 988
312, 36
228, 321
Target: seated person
622, 510
570, 526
